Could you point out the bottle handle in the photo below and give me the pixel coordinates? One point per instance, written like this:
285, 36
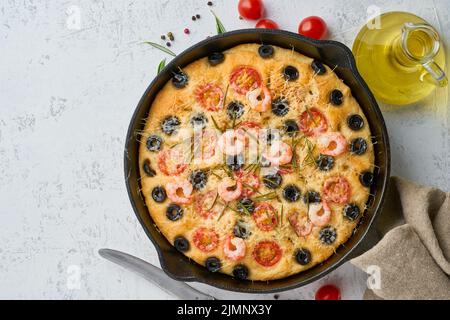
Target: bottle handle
434, 72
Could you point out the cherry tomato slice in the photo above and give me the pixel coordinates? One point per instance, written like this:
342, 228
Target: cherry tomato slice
267, 253
251, 9
337, 190
250, 183
209, 96
206, 205
328, 292
172, 161
205, 239
313, 122
245, 78
265, 216
313, 27
267, 24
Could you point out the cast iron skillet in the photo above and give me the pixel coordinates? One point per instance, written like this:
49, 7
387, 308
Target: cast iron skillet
175, 264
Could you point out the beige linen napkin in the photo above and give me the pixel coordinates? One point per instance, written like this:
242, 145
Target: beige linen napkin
413, 257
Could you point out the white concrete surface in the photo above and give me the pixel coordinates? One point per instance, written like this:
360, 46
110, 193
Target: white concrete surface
71, 74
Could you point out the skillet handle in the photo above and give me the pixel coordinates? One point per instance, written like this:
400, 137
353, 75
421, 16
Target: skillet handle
337, 54
177, 266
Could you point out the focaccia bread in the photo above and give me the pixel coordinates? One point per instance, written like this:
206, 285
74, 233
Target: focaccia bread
256, 162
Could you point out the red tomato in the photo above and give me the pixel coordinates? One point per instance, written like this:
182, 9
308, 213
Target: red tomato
204, 204
245, 78
265, 217
328, 292
172, 161
267, 253
313, 122
251, 9
267, 24
313, 27
210, 96
337, 190
205, 239
250, 183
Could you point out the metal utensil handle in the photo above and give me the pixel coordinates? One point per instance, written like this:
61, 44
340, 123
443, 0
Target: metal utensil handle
154, 275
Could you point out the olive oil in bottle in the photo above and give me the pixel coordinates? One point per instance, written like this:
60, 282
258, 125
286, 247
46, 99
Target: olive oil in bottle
401, 61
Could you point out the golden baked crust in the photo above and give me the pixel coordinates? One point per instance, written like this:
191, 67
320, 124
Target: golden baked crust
309, 91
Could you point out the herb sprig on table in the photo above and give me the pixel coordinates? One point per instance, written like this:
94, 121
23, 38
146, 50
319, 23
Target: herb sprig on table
161, 65
160, 47
219, 25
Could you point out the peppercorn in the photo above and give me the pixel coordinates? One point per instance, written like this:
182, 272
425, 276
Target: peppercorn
197, 16
186, 31
209, 3
163, 37
194, 18
168, 44
170, 35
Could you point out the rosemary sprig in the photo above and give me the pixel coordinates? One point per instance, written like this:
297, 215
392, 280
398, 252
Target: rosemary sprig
249, 187
225, 96
214, 202
160, 47
309, 158
232, 209
294, 144
226, 206
161, 65
216, 175
227, 171
266, 196
307, 204
222, 212
247, 167
236, 124
250, 168
281, 215
255, 168
244, 208
174, 145
219, 26
310, 115
215, 124
251, 135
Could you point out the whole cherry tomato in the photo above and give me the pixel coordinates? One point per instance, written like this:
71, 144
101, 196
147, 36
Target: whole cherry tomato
313, 27
328, 292
251, 9
267, 24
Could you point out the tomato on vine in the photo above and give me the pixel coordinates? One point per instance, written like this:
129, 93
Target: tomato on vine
328, 292
267, 24
251, 9
313, 27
